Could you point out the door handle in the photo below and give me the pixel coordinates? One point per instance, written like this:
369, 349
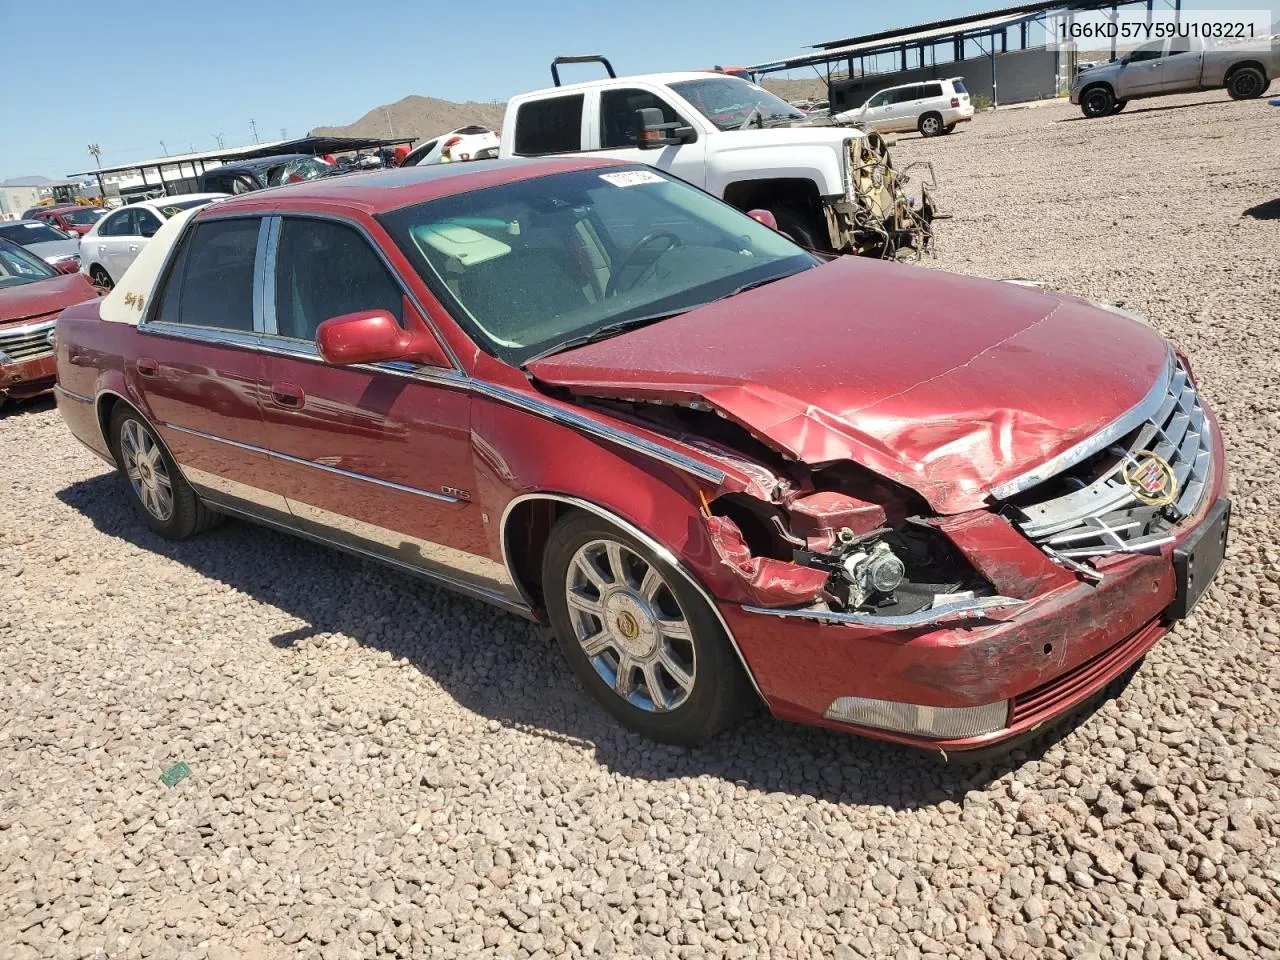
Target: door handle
148, 367
288, 395
133, 248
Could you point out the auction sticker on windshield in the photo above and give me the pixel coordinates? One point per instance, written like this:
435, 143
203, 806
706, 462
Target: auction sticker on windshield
630, 178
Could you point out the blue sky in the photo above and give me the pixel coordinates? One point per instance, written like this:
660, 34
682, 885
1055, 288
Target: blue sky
138, 72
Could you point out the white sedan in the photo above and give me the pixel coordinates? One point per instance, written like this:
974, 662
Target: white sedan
465, 143
116, 240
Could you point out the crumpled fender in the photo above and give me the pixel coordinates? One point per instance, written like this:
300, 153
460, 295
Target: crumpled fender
771, 583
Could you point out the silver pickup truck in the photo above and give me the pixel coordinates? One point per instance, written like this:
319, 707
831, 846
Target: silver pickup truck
1176, 65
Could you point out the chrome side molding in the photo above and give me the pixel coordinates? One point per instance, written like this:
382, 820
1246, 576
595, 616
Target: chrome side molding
969, 608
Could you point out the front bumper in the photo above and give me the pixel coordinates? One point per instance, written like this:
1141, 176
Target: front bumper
1043, 658
1075, 95
27, 378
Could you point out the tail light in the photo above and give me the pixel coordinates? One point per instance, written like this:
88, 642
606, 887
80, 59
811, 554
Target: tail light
449, 144
955, 102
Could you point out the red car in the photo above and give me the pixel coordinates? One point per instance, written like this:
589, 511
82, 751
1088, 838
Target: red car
72, 218
922, 507
32, 293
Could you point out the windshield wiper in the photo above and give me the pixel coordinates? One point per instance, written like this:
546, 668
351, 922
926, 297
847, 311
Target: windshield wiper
759, 283
603, 333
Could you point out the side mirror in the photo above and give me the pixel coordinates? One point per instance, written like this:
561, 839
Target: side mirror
372, 336
655, 133
67, 266
764, 216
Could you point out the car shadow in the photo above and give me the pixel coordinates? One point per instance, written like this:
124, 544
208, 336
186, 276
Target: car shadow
510, 670
11, 409
1140, 110
1267, 210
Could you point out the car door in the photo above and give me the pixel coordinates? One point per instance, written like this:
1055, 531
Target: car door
618, 134
198, 367
1140, 72
876, 112
110, 240
376, 458
145, 223
1180, 66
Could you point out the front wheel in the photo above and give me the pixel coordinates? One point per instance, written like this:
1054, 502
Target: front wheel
1097, 102
160, 494
1246, 83
640, 638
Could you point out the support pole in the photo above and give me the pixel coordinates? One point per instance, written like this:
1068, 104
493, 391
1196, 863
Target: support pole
1022, 29
995, 94
903, 51
1004, 41
1114, 16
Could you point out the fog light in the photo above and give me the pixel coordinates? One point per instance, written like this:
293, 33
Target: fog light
943, 723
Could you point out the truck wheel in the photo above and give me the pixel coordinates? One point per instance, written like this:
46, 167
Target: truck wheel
1097, 102
930, 125
639, 637
1246, 83
1120, 105
803, 227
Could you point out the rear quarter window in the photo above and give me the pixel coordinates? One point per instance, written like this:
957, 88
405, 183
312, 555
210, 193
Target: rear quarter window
931, 90
553, 125
959, 86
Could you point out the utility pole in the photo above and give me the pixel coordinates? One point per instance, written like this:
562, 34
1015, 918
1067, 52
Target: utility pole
164, 148
253, 125
284, 134
218, 137
97, 158
391, 131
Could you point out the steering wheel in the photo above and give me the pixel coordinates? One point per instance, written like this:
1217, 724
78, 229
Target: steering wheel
640, 258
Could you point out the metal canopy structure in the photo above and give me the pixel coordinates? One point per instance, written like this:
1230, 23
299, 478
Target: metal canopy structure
316, 146
991, 27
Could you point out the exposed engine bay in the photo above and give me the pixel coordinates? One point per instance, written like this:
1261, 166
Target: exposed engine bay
881, 219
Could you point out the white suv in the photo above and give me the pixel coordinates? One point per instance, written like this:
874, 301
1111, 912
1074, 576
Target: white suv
933, 107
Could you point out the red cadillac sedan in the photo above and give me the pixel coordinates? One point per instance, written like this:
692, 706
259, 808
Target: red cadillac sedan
921, 507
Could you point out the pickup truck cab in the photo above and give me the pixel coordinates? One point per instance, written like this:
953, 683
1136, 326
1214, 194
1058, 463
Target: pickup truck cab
829, 188
1175, 65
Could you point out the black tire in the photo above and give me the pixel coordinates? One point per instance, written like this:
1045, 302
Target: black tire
804, 227
1097, 102
1246, 83
99, 275
949, 128
1119, 105
718, 691
187, 514
930, 124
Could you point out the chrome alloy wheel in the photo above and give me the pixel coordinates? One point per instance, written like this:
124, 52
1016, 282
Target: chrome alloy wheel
930, 126
144, 466
630, 625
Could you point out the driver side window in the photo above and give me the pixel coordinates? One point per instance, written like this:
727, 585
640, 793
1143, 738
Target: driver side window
618, 125
1148, 51
879, 100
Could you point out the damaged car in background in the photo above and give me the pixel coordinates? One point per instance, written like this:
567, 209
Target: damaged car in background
922, 507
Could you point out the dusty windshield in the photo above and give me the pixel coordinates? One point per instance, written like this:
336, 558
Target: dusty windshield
528, 266
732, 103
18, 267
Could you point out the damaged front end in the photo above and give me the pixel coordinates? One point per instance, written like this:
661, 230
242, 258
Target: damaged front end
877, 218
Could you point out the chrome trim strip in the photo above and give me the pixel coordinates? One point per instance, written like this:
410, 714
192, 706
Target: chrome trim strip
1087, 447
271, 244
472, 590
260, 275
214, 335
659, 550
59, 388
318, 466
957, 609
612, 434
39, 326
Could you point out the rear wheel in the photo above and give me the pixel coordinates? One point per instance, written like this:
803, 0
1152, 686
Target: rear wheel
99, 275
1246, 83
1119, 105
949, 128
1097, 102
640, 638
160, 495
804, 227
930, 125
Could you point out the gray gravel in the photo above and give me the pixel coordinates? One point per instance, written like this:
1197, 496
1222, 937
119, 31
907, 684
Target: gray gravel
381, 769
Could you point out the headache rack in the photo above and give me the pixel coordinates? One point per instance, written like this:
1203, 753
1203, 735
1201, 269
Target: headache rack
1092, 509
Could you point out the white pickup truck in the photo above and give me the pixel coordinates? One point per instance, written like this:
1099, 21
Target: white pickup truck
1176, 65
828, 188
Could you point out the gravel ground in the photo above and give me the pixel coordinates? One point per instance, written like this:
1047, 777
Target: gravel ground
381, 769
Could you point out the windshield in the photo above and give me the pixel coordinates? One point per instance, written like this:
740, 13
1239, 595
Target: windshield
296, 171
29, 233
529, 265
17, 266
729, 102
83, 216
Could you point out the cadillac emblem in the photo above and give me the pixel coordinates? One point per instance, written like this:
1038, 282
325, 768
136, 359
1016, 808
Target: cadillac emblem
1150, 479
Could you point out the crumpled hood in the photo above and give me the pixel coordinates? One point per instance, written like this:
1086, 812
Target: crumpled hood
946, 384
43, 297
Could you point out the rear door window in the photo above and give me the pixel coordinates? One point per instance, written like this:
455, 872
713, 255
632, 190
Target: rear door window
211, 281
326, 269
553, 125
118, 225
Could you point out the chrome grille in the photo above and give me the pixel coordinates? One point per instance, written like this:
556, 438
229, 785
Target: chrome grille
1092, 510
27, 342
